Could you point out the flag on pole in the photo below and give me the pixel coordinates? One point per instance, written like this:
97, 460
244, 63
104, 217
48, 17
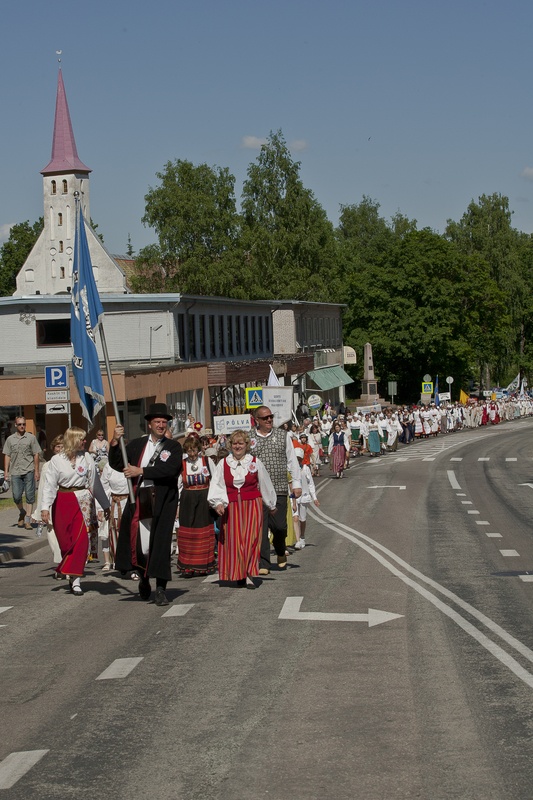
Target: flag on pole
437, 398
463, 397
86, 312
513, 386
273, 379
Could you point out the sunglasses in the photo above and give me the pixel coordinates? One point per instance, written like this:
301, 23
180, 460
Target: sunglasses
268, 416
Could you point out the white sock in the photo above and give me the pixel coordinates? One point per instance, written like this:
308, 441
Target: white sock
76, 582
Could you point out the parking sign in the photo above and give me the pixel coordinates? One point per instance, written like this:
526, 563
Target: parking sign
56, 377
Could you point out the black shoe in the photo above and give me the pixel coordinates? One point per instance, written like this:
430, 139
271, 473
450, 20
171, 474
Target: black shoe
145, 590
160, 597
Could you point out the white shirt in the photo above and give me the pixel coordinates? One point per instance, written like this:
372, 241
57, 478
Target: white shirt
82, 475
218, 493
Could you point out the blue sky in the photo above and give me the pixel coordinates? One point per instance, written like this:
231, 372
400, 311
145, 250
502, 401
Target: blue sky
421, 105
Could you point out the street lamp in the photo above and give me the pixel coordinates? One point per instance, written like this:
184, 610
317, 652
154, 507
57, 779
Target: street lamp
152, 329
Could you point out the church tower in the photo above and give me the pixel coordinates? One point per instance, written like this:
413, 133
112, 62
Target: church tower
48, 268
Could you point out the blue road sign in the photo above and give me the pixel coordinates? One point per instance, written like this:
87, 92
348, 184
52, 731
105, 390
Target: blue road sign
56, 377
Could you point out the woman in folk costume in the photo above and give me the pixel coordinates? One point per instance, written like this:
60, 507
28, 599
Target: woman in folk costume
116, 488
56, 447
337, 449
237, 492
419, 427
147, 527
196, 532
393, 430
374, 444
71, 487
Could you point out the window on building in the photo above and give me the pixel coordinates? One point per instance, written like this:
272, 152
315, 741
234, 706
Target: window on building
238, 338
60, 219
181, 336
53, 185
30, 275
192, 338
53, 332
61, 272
229, 334
221, 349
65, 187
212, 337
201, 320
60, 247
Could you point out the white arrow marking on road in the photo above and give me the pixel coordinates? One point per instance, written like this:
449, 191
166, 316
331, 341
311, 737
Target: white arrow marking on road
4, 608
386, 487
526, 484
291, 610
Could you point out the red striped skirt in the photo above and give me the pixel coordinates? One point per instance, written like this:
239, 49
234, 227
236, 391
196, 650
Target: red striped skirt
196, 533
239, 543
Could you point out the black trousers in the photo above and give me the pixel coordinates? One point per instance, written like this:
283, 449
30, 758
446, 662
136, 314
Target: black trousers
277, 522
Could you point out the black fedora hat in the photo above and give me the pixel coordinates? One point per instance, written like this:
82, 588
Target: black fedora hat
157, 410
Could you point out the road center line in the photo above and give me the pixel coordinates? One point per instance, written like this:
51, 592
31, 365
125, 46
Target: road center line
372, 547
119, 668
178, 611
453, 480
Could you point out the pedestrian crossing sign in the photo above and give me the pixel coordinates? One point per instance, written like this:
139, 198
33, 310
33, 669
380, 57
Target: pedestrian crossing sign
427, 388
254, 397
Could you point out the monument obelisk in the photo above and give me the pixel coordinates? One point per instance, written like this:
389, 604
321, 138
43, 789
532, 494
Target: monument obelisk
369, 383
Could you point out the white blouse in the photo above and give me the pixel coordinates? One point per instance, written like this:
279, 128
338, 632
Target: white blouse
82, 475
217, 488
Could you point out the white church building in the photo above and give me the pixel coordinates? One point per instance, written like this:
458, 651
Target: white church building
48, 268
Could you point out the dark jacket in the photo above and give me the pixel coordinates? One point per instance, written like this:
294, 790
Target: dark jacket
164, 474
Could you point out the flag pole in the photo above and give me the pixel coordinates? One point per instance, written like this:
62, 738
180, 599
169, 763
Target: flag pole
90, 313
115, 407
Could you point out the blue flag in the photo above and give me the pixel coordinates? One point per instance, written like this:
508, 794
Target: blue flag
437, 398
86, 311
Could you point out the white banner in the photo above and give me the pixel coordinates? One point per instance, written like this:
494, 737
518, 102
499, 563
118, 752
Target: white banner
279, 400
445, 396
231, 422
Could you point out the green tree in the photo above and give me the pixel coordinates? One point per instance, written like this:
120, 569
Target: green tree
485, 230
15, 251
287, 241
193, 213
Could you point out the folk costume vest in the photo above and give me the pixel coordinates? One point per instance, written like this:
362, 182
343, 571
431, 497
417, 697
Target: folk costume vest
272, 450
250, 488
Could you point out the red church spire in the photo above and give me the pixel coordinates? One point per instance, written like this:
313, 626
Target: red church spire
64, 152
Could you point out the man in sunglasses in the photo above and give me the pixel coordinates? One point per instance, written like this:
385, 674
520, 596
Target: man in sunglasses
275, 449
21, 466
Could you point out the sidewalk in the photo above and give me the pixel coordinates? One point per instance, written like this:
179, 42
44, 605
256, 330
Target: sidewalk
17, 542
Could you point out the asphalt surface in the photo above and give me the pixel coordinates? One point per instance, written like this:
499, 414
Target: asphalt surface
240, 697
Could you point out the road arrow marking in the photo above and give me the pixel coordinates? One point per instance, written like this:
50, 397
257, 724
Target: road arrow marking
526, 484
4, 608
291, 610
401, 488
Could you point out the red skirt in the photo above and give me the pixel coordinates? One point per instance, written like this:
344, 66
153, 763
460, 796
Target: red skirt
196, 533
239, 543
71, 533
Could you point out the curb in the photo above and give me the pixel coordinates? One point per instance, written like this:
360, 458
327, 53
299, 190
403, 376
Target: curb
18, 551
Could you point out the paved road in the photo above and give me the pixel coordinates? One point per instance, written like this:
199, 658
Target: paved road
240, 697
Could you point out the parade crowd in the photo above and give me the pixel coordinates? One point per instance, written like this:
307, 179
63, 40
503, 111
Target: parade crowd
211, 503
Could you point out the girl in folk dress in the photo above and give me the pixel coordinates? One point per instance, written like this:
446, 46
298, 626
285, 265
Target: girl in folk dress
338, 447
72, 485
196, 532
237, 492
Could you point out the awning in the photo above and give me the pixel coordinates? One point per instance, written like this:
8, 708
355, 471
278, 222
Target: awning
329, 377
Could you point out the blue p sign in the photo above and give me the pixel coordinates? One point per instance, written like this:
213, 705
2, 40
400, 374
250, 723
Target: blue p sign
56, 377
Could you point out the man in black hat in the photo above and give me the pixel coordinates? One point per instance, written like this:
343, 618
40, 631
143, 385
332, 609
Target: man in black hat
154, 464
